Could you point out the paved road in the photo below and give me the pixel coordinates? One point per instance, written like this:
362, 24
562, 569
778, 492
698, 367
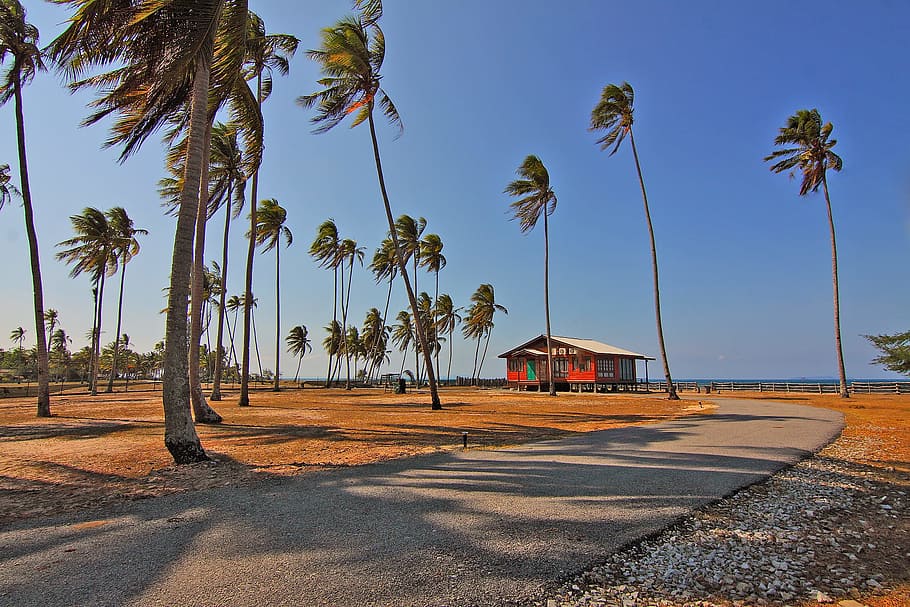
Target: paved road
474, 528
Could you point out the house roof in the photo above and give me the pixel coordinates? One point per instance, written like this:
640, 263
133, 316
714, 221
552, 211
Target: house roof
597, 347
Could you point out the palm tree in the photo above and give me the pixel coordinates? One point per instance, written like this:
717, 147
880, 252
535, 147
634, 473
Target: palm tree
19, 41
426, 308
166, 53
810, 150
384, 267
298, 345
92, 249
265, 54
233, 304
324, 250
18, 335
536, 198
51, 319
125, 248
614, 114
433, 260
447, 317
333, 342
480, 321
351, 57
7, 190
270, 229
59, 342
403, 335
410, 231
227, 174
373, 337
348, 252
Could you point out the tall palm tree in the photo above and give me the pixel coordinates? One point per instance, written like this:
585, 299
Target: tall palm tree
447, 318
325, 250
126, 246
19, 42
18, 335
535, 199
480, 322
270, 230
7, 190
615, 115
265, 54
59, 345
93, 250
228, 174
333, 342
350, 58
348, 252
372, 336
410, 231
51, 319
403, 334
433, 260
810, 150
298, 345
233, 304
165, 52
384, 267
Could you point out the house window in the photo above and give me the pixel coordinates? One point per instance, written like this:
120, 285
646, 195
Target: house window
514, 365
627, 368
605, 367
560, 367
582, 365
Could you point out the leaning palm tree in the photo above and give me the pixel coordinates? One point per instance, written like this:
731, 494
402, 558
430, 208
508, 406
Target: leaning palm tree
447, 318
165, 53
93, 250
227, 174
809, 149
126, 246
265, 54
298, 345
614, 114
433, 260
270, 230
410, 231
351, 57
535, 199
19, 42
324, 249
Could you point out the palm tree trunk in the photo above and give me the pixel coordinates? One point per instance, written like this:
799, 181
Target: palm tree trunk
180, 436
347, 306
202, 412
449, 371
91, 358
110, 381
297, 373
216, 383
276, 387
248, 288
421, 334
546, 298
44, 397
842, 374
671, 389
486, 345
435, 322
256, 344
344, 330
385, 315
96, 354
476, 354
328, 373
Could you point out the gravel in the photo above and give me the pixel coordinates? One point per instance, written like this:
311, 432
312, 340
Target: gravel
824, 531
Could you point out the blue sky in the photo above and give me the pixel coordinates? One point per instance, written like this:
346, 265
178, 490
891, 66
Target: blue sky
745, 262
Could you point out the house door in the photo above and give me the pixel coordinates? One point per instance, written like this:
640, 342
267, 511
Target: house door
532, 372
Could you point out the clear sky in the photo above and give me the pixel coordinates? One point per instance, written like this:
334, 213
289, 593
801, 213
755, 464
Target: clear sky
745, 262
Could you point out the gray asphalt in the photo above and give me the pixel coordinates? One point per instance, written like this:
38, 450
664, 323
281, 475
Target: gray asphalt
480, 527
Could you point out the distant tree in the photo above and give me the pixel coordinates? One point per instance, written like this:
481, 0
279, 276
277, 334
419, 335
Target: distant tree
51, 319
19, 41
403, 335
270, 230
325, 250
479, 325
7, 190
614, 114
535, 199
447, 318
895, 351
350, 58
18, 335
348, 253
433, 260
299, 344
810, 151
373, 336
384, 267
126, 246
333, 343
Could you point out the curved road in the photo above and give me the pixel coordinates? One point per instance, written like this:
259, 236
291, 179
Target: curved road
463, 529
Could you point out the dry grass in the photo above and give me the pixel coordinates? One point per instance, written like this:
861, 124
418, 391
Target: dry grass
101, 449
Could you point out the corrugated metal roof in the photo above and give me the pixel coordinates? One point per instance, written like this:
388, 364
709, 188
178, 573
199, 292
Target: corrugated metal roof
597, 347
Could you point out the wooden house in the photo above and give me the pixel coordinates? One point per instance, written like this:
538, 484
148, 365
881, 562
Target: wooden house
578, 365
